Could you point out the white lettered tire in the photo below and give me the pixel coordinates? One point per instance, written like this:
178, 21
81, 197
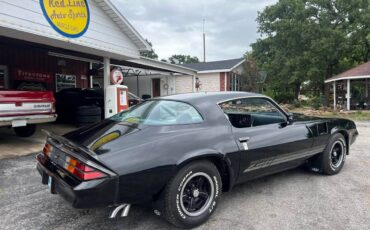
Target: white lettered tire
192, 195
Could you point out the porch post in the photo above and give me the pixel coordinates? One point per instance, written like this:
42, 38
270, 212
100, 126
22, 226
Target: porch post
106, 72
335, 95
193, 83
366, 88
137, 86
106, 81
348, 95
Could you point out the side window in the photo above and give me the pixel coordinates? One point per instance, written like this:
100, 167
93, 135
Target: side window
249, 112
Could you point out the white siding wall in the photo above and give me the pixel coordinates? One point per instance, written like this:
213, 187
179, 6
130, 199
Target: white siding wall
170, 81
184, 84
103, 34
210, 82
145, 85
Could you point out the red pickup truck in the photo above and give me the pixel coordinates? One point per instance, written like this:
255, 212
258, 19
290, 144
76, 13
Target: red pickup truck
22, 110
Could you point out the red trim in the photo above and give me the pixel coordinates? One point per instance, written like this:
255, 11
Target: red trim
25, 114
120, 107
222, 81
9, 96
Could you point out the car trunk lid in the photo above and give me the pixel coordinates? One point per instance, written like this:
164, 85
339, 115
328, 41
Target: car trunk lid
79, 160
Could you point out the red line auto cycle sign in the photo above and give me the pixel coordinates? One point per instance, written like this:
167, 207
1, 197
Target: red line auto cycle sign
69, 18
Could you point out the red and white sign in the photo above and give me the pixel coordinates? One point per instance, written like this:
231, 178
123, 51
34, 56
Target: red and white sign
22, 75
116, 76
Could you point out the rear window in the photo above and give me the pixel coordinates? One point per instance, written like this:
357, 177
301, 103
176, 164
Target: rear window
160, 112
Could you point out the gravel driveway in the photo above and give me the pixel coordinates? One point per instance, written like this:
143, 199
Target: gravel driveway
295, 199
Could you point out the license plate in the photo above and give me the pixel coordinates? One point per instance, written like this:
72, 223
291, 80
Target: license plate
19, 123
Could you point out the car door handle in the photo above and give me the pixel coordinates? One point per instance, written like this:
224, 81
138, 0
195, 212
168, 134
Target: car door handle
243, 139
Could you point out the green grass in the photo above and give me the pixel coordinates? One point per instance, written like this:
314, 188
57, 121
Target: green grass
363, 115
355, 115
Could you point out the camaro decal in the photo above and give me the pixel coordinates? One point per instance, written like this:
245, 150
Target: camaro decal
254, 165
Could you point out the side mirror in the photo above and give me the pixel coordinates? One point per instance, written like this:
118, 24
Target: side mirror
290, 117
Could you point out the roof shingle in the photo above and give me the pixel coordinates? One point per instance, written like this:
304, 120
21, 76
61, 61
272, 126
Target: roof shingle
215, 65
358, 71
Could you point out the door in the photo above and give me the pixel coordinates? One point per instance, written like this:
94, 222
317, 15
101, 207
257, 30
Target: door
156, 87
4, 77
267, 142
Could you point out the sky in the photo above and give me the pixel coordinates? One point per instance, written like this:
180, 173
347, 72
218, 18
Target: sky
176, 26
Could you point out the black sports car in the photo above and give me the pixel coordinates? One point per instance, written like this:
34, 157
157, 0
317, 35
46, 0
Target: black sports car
181, 152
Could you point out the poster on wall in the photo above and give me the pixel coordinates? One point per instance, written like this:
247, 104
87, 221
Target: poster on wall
64, 81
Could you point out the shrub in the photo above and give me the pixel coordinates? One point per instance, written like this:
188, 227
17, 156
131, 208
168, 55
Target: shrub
316, 102
296, 104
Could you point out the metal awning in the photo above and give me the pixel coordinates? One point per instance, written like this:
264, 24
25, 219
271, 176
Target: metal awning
147, 63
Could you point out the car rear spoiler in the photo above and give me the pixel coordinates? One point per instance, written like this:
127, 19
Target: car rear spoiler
80, 152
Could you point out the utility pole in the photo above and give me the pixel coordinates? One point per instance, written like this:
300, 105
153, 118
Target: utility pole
204, 41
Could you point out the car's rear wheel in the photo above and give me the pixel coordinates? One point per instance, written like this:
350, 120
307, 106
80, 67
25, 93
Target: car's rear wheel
334, 155
192, 195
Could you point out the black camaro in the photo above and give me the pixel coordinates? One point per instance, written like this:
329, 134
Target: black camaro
181, 152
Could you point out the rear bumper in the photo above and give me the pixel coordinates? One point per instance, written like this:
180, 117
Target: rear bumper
81, 195
31, 119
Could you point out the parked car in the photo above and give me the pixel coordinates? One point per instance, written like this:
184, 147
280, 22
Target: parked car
182, 152
133, 99
22, 110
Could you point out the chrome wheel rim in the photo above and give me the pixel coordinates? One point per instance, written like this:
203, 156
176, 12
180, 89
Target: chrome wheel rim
337, 154
197, 194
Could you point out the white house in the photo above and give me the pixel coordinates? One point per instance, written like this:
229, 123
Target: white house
212, 76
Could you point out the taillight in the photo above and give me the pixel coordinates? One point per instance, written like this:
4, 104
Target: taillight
48, 148
81, 170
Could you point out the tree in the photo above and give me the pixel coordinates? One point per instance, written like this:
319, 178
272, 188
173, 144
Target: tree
183, 59
149, 54
310, 41
250, 78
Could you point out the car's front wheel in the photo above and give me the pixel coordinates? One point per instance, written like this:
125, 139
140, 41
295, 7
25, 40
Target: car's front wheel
192, 195
334, 155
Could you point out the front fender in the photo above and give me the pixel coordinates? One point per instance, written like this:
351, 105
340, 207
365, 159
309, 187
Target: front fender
347, 128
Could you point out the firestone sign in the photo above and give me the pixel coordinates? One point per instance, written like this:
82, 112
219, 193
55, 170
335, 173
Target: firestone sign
70, 18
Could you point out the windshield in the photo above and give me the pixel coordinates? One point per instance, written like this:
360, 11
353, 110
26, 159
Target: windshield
160, 112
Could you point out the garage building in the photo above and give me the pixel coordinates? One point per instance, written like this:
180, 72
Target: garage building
53, 45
